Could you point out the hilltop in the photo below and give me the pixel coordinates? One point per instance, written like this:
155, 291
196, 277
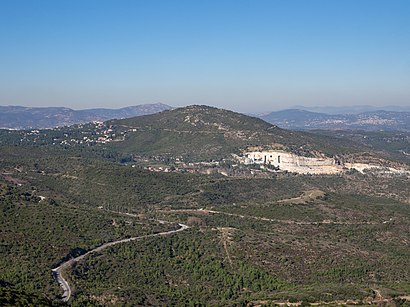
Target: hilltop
203, 132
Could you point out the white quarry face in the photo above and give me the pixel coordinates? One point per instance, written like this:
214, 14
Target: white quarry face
291, 162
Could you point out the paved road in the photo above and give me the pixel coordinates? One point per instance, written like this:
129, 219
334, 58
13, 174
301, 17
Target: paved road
57, 272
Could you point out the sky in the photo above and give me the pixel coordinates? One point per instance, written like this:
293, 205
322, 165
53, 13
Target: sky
247, 56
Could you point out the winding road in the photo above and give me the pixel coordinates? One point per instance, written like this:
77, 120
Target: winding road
57, 272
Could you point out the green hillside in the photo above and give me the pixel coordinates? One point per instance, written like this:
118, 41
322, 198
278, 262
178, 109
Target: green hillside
202, 133
246, 252
205, 133
251, 239
11, 297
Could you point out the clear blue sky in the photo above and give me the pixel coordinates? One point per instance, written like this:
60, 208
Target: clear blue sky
243, 55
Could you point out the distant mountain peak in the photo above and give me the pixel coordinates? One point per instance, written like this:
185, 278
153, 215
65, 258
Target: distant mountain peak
18, 117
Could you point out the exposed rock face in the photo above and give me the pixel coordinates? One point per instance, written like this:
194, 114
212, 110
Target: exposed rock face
293, 163
286, 161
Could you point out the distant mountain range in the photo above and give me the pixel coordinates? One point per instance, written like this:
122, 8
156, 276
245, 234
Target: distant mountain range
201, 133
16, 117
306, 120
335, 110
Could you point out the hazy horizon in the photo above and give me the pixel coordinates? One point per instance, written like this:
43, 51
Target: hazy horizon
327, 109
240, 55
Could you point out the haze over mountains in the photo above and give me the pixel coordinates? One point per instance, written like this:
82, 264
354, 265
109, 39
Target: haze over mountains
355, 109
373, 120
201, 133
299, 118
17, 117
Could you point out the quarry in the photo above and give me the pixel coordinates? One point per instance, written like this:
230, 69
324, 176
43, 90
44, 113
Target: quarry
282, 160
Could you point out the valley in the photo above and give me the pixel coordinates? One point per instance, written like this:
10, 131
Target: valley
237, 231
226, 153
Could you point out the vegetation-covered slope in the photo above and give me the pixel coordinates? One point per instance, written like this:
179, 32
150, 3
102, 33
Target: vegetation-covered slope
245, 252
250, 239
11, 297
204, 133
201, 133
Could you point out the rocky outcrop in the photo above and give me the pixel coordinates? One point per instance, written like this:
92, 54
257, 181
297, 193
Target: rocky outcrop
287, 161
290, 162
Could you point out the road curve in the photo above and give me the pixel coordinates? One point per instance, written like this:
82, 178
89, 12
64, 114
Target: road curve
57, 272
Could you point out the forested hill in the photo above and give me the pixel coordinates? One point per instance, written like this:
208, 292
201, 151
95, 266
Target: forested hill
199, 118
203, 132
